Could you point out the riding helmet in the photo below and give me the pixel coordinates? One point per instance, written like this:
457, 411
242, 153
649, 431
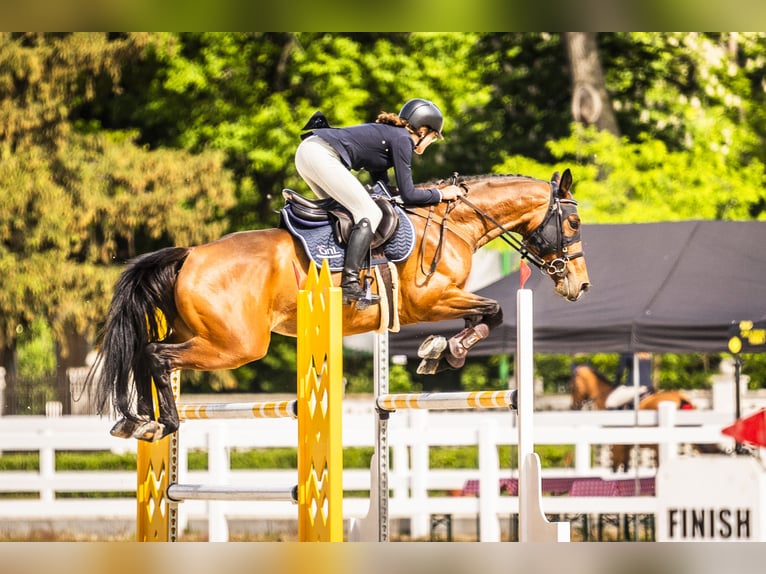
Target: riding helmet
419, 112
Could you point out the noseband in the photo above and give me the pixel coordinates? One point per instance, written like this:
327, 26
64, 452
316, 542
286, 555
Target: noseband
547, 238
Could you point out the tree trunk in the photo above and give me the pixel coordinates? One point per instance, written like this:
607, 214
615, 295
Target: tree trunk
590, 101
72, 354
10, 393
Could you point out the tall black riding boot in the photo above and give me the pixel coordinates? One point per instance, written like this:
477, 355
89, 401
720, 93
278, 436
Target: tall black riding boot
357, 250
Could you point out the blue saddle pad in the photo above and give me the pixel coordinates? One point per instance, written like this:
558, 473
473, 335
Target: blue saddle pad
319, 241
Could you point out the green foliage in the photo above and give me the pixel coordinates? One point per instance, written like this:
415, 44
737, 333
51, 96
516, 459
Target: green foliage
556, 456
399, 381
754, 366
552, 456
359, 375
37, 356
357, 457
555, 372
357, 371
620, 181
483, 375
687, 371
197, 460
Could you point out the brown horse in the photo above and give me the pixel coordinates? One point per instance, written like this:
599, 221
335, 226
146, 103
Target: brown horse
591, 389
222, 300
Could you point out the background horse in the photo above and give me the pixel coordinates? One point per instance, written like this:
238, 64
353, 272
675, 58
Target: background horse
222, 300
591, 389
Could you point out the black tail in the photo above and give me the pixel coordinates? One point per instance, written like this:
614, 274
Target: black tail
145, 287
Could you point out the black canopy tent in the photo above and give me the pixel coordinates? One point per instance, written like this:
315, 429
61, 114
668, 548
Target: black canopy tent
656, 287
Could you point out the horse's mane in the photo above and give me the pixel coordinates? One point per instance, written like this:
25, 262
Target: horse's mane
472, 178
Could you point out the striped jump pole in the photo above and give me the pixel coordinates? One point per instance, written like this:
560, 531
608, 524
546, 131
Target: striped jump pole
255, 410
319, 492
448, 401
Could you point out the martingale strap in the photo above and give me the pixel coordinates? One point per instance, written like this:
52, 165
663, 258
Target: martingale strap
428, 213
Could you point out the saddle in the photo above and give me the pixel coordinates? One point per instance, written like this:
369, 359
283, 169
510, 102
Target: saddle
319, 212
323, 226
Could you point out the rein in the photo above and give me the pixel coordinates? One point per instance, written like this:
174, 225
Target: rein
438, 254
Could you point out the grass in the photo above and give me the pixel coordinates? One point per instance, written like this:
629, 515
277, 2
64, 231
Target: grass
446, 457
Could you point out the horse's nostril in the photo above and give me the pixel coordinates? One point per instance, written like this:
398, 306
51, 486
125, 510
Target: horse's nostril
585, 287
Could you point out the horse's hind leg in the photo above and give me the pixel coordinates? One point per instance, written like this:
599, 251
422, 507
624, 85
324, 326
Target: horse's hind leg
197, 353
136, 427
167, 422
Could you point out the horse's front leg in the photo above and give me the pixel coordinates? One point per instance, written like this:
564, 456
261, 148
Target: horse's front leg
481, 316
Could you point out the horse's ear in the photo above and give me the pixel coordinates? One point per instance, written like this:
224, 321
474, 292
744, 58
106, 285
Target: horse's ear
566, 182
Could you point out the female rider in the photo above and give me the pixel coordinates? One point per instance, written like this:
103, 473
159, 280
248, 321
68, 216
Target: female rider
326, 156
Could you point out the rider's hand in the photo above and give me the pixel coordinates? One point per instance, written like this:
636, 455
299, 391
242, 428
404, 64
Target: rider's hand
452, 192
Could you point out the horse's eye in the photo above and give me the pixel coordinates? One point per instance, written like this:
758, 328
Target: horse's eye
574, 223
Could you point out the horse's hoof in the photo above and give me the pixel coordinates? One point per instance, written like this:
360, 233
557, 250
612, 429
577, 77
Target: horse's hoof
124, 428
149, 431
432, 348
428, 367
453, 361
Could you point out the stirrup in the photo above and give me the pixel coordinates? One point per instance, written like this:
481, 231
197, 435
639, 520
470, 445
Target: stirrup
363, 298
360, 298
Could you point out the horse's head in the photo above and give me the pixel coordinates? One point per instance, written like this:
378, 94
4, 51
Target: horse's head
543, 213
555, 246
583, 386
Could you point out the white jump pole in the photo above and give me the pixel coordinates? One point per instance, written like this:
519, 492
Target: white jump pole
181, 492
533, 525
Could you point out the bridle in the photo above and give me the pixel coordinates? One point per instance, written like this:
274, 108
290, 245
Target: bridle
547, 238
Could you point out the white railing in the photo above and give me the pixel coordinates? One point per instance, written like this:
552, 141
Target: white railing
411, 435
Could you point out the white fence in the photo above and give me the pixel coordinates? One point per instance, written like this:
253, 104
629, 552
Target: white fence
411, 434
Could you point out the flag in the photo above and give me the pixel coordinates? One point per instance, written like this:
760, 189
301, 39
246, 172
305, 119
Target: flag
524, 273
751, 429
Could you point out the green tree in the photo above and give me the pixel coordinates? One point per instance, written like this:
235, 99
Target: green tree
77, 199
